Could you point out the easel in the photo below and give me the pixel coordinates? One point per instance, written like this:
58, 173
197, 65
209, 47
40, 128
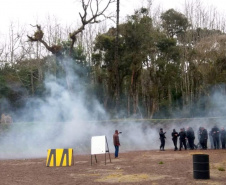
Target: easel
106, 151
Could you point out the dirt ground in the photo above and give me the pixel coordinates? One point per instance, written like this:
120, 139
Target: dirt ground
137, 167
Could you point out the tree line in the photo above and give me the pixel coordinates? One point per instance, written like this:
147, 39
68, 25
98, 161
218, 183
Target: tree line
168, 66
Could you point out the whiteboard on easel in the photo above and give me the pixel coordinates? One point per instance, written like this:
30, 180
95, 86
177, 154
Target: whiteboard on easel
98, 145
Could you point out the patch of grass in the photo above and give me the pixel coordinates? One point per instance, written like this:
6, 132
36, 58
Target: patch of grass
161, 162
221, 169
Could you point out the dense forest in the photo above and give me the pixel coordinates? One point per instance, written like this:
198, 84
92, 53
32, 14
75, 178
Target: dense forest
170, 64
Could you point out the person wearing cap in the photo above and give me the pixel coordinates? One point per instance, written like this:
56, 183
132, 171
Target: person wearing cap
116, 142
162, 139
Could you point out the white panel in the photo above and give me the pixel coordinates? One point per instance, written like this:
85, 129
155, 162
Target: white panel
98, 145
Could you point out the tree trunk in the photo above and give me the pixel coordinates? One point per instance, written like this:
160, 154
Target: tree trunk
32, 82
128, 105
170, 99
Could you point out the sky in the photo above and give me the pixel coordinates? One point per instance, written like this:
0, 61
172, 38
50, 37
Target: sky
36, 11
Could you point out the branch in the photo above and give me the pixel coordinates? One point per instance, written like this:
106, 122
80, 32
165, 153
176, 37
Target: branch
92, 19
38, 36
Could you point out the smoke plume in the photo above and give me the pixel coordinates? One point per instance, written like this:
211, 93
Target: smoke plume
80, 122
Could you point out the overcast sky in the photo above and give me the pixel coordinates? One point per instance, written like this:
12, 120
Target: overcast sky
66, 11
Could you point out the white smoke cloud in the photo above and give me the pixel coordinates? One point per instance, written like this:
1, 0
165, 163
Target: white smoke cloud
31, 140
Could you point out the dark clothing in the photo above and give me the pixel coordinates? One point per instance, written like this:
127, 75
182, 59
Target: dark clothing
199, 136
211, 140
203, 138
162, 146
215, 132
223, 138
174, 138
116, 144
116, 140
183, 137
162, 139
191, 138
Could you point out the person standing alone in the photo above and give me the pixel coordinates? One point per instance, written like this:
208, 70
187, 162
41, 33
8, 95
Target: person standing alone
116, 142
162, 139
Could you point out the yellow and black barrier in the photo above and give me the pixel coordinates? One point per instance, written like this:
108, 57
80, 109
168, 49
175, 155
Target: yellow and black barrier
59, 157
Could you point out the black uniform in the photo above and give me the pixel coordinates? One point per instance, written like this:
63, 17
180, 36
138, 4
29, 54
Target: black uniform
183, 137
162, 139
174, 138
215, 132
203, 138
223, 138
211, 139
191, 137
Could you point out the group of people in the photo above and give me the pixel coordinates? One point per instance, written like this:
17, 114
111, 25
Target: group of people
187, 138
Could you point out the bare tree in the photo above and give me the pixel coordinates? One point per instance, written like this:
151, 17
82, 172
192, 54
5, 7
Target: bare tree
1, 50
95, 8
14, 43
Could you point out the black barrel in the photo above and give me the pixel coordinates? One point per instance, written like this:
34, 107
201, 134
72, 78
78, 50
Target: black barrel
201, 169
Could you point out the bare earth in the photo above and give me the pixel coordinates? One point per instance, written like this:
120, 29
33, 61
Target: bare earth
137, 167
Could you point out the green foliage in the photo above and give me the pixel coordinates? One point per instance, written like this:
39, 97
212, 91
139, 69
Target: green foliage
161, 70
76, 54
175, 23
4, 90
165, 43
